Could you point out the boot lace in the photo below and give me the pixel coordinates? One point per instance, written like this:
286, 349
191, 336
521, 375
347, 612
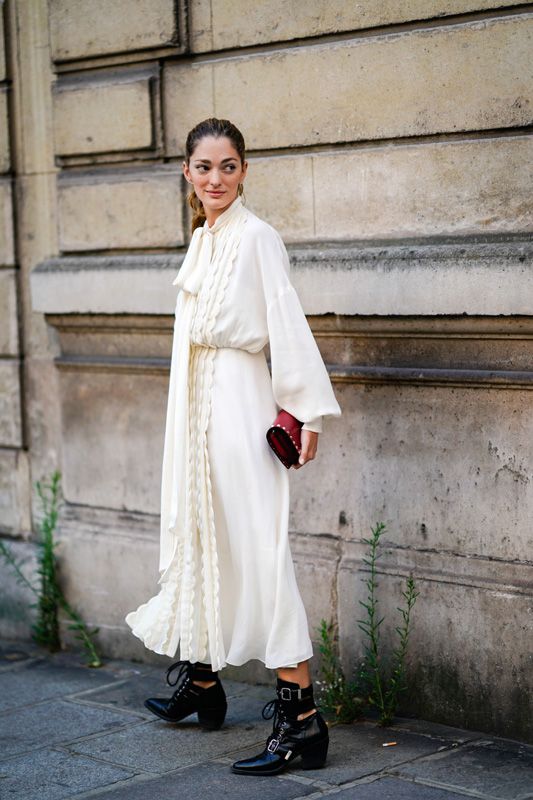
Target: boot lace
274, 708
185, 668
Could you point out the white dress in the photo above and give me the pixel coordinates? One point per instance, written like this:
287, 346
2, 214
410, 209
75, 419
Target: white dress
228, 591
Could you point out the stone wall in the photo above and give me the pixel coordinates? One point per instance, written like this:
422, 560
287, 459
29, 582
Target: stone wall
14, 456
390, 145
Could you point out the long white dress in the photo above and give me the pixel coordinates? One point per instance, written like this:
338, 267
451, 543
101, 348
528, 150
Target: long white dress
228, 591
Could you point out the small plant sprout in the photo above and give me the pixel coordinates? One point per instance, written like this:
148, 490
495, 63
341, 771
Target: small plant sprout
384, 694
337, 696
374, 685
49, 595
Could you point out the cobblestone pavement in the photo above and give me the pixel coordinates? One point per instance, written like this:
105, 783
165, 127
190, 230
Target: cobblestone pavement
69, 731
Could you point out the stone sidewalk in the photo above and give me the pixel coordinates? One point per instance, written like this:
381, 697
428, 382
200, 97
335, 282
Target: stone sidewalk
69, 731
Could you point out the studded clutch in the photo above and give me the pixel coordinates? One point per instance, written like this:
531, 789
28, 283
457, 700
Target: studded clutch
285, 438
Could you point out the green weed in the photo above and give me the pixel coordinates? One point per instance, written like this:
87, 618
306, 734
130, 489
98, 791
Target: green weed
378, 682
50, 598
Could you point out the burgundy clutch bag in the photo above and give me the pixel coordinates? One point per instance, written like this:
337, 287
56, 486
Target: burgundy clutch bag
285, 438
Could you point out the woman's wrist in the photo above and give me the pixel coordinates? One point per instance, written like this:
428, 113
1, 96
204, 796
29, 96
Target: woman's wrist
314, 425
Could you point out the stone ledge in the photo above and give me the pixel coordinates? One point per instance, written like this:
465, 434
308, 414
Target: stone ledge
501, 379
361, 278
339, 373
446, 566
443, 566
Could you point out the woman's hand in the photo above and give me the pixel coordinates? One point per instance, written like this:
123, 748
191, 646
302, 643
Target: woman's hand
309, 447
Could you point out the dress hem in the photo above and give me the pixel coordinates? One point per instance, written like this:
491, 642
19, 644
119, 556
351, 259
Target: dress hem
291, 662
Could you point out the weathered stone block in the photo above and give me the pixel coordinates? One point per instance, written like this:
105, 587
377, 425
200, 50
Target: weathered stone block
134, 284
315, 562
447, 469
464, 77
183, 108
8, 313
93, 582
498, 349
423, 278
79, 29
103, 116
92, 543
285, 203
4, 133
401, 278
42, 417
461, 637
32, 124
323, 495
219, 24
7, 256
124, 210
10, 410
200, 25
479, 186
14, 492
16, 614
2, 50
469, 187
144, 336
110, 418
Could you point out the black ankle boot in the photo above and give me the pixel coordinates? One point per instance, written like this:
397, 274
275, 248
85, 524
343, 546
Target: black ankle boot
291, 737
209, 702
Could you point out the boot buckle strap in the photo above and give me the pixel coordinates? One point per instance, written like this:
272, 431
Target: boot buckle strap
287, 694
273, 745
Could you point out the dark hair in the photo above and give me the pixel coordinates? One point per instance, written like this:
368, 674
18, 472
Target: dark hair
219, 128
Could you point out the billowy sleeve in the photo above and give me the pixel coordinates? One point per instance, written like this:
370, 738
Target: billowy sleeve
300, 380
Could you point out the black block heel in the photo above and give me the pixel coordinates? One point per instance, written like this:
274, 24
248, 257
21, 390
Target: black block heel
291, 738
211, 719
315, 756
208, 702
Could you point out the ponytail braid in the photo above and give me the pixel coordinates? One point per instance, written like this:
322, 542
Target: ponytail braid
210, 127
198, 213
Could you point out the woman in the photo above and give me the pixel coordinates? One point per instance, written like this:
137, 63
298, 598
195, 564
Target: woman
228, 590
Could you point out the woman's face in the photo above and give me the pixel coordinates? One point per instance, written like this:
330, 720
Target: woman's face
215, 170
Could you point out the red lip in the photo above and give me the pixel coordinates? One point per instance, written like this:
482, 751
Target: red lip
215, 194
